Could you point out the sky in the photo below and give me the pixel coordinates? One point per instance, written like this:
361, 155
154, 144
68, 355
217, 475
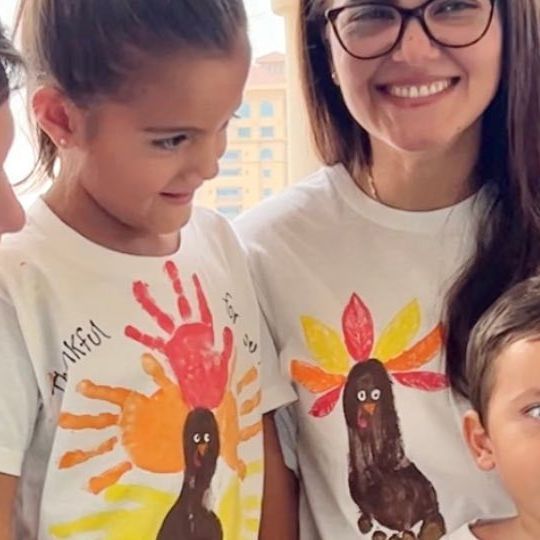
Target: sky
266, 32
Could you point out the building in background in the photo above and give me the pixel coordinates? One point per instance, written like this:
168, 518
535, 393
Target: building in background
254, 166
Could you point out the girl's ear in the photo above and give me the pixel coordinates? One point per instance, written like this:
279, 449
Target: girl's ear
56, 115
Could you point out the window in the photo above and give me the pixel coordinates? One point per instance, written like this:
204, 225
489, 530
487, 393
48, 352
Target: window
266, 154
244, 111
267, 173
267, 192
227, 192
267, 132
267, 109
230, 212
232, 155
244, 132
230, 172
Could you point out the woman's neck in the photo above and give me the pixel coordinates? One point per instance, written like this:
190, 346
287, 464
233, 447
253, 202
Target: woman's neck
422, 181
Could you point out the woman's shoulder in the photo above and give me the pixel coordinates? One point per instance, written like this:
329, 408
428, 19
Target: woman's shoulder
309, 197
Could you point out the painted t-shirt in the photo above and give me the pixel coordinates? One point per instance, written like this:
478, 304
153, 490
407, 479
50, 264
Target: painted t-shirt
463, 533
130, 400
353, 292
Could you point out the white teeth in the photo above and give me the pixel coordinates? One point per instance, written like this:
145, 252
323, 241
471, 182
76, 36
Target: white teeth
414, 92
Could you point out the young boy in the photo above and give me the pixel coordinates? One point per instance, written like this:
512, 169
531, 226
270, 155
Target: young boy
503, 430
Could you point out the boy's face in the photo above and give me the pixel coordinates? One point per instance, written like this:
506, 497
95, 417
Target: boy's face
510, 441
11, 213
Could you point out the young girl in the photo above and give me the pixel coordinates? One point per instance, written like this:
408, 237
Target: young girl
130, 340
11, 213
372, 273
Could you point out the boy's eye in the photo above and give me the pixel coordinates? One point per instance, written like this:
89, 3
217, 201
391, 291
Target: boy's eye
170, 143
534, 412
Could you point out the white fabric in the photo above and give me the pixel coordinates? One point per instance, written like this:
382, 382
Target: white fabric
339, 277
463, 533
76, 377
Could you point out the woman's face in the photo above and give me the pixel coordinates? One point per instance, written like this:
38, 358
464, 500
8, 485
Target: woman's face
421, 96
11, 212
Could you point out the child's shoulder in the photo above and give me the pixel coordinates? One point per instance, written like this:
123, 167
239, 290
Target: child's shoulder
212, 228
463, 533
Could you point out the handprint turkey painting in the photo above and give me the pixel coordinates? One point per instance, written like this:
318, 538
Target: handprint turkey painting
196, 415
388, 489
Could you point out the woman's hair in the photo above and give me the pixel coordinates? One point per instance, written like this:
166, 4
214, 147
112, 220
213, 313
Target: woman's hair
508, 244
515, 316
11, 66
92, 49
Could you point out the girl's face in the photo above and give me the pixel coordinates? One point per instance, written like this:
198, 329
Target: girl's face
138, 161
11, 212
420, 96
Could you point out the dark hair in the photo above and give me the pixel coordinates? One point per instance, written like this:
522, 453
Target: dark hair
89, 48
508, 247
514, 317
11, 66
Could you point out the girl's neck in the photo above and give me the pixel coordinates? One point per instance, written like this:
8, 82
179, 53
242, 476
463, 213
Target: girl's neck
423, 181
77, 209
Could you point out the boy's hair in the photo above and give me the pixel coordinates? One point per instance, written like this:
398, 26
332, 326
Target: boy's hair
91, 48
11, 65
514, 317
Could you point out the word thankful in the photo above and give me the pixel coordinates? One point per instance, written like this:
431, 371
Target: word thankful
79, 345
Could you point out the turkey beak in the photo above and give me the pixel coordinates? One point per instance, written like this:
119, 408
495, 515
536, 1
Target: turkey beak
370, 408
202, 449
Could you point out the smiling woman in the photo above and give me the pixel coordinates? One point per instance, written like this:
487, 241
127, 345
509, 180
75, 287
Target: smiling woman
373, 272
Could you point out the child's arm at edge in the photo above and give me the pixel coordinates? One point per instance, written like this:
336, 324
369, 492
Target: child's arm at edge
8, 486
280, 497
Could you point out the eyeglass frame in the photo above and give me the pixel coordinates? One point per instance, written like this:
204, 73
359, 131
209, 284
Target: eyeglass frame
406, 14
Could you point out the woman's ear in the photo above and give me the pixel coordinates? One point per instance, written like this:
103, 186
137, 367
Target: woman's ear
478, 441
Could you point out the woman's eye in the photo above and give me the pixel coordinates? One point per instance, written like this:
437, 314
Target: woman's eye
171, 143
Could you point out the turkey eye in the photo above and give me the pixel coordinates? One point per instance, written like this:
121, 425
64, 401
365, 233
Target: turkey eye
375, 394
197, 438
362, 395
207, 437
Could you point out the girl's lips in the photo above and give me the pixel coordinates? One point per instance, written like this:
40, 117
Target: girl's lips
178, 198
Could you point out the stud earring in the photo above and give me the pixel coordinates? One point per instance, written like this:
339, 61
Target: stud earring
335, 78
62, 142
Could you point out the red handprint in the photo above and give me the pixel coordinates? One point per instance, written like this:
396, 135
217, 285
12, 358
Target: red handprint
201, 371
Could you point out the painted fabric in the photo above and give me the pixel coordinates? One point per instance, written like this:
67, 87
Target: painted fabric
133, 387
353, 293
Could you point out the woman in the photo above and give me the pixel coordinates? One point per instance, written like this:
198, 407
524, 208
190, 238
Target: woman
11, 213
373, 271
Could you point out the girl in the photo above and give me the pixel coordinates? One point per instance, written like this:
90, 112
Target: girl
11, 213
372, 273
130, 339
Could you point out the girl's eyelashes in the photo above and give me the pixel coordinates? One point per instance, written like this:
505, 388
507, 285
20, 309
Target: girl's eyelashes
533, 411
170, 143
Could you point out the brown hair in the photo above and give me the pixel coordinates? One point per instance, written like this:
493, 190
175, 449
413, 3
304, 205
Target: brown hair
89, 48
11, 66
508, 248
514, 317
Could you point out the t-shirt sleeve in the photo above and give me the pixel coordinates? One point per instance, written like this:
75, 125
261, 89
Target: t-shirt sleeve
19, 394
277, 390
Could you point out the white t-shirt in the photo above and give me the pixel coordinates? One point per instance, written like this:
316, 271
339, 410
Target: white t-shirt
353, 292
127, 380
463, 533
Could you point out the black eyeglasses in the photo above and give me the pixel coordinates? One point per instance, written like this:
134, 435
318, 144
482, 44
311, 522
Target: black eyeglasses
368, 30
